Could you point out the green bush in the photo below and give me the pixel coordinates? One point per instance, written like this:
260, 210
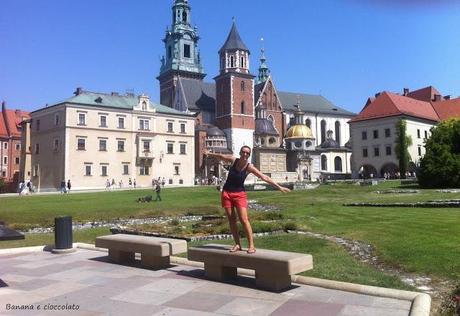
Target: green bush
440, 167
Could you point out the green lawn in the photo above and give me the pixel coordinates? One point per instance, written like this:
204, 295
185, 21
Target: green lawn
421, 240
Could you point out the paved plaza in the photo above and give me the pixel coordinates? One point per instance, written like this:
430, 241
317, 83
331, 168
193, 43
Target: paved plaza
84, 283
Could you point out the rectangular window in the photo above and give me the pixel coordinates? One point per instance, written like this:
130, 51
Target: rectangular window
364, 152
387, 132
170, 127
102, 145
125, 169
376, 151
103, 121
418, 133
121, 146
364, 135
419, 150
146, 146
81, 144
144, 124
37, 126
56, 119
87, 170
5, 160
183, 149
376, 133
37, 149
35, 171
5, 145
186, 51
176, 170
182, 128
170, 148
104, 170
81, 119
18, 146
426, 134
388, 150
144, 169
121, 122
17, 160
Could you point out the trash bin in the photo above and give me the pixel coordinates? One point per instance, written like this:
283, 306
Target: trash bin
63, 232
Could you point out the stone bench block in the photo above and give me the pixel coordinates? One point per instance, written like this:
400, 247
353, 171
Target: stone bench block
155, 251
273, 269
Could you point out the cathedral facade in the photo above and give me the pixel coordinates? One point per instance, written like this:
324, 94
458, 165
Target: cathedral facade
294, 136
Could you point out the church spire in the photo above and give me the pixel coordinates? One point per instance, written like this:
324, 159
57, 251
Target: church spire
264, 71
181, 43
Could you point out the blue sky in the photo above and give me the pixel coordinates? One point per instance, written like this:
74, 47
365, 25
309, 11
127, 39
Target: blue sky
345, 50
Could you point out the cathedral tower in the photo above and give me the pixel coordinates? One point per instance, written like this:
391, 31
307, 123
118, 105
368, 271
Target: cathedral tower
235, 93
182, 57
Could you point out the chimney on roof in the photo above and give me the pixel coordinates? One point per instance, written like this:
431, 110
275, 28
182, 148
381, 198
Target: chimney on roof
377, 94
3, 106
447, 97
405, 92
130, 94
115, 93
437, 97
78, 91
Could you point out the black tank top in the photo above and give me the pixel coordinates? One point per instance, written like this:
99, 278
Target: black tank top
235, 178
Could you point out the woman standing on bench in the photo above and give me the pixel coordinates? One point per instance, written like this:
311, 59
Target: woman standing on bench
233, 197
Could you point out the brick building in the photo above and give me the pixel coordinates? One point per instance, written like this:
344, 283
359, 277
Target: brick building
10, 143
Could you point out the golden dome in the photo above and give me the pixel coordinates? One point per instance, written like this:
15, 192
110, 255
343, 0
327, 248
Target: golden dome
299, 131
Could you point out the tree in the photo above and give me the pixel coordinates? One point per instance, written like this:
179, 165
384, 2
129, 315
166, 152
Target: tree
401, 149
440, 167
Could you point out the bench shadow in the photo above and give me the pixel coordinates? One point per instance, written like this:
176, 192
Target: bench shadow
3, 284
133, 264
240, 280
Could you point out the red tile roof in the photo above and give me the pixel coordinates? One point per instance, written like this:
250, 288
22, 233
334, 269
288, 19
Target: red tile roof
426, 94
10, 121
390, 104
447, 109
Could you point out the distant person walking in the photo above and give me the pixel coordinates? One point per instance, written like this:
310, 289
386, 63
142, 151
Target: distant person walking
63, 187
233, 196
69, 186
158, 191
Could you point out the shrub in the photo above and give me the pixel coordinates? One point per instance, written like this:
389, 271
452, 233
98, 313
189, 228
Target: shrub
440, 167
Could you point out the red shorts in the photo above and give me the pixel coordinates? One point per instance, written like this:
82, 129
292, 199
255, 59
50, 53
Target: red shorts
234, 199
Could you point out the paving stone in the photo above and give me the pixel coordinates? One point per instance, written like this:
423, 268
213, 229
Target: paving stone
170, 286
206, 302
303, 308
181, 312
354, 310
248, 306
145, 297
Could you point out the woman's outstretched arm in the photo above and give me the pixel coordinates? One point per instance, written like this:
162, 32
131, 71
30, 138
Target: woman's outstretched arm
226, 158
266, 178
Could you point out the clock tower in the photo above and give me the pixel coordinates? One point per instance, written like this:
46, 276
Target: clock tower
182, 56
235, 93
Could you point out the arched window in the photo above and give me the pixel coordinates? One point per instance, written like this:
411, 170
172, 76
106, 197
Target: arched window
232, 62
242, 107
270, 118
308, 123
323, 131
242, 85
338, 164
242, 62
323, 162
184, 17
337, 132
144, 106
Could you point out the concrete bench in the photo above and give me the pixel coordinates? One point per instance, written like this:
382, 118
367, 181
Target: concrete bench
273, 269
155, 251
